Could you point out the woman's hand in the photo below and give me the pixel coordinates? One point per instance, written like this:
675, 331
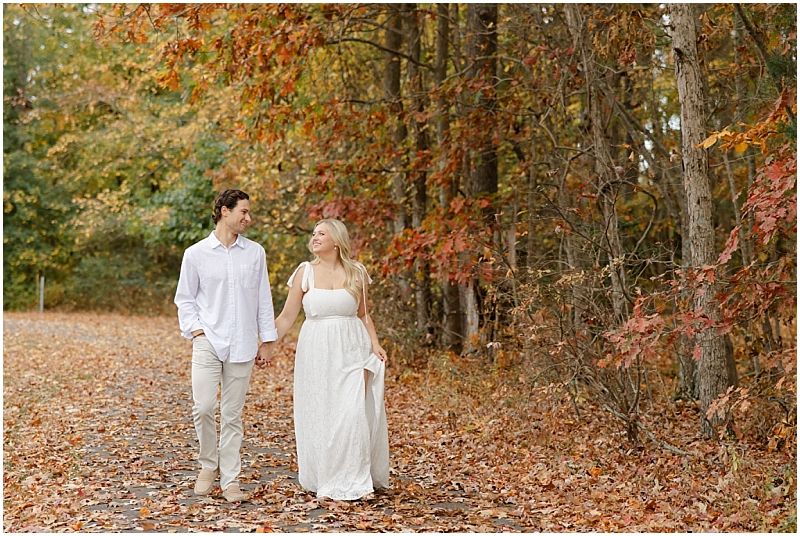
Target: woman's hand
378, 350
264, 355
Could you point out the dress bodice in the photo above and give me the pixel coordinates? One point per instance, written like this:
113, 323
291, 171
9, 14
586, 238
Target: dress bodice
327, 303
322, 303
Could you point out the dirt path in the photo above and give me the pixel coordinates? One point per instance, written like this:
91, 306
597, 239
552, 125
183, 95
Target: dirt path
98, 438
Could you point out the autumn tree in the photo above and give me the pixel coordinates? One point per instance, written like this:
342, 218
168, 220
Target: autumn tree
37, 237
480, 50
513, 174
715, 372
451, 322
607, 173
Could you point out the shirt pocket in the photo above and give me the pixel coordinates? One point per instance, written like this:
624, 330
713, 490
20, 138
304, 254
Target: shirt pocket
248, 276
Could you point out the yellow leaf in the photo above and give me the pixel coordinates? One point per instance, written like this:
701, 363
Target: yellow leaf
710, 141
741, 147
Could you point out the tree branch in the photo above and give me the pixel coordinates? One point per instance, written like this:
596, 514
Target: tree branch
381, 47
762, 49
752, 31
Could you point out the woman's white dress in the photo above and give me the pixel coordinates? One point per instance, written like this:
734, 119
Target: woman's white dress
341, 432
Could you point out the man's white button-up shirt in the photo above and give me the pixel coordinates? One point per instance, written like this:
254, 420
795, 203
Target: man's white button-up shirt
225, 292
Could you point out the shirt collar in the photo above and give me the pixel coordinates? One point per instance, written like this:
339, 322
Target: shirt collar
215, 241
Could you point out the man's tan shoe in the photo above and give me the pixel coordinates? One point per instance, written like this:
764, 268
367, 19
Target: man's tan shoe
233, 494
205, 482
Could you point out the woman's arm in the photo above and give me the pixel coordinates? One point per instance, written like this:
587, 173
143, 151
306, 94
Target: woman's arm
284, 322
377, 349
294, 302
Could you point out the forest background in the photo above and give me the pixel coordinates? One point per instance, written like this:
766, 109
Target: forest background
594, 200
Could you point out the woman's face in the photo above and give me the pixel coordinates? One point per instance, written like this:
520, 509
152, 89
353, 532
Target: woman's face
321, 241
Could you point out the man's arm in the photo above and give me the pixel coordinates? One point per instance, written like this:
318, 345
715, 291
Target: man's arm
266, 314
186, 298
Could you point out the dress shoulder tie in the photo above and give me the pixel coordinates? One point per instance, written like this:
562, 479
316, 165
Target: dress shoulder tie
306, 285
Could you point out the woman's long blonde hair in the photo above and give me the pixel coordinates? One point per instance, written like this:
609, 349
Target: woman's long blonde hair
353, 273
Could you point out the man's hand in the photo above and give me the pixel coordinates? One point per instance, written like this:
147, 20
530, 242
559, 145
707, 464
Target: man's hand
264, 355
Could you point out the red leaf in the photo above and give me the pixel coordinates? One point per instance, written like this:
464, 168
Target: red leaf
731, 246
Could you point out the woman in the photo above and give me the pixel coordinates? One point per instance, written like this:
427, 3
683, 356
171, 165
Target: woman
339, 416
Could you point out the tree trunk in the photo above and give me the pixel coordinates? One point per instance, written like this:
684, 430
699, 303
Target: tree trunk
530, 255
469, 302
481, 56
462, 178
391, 92
688, 380
419, 177
481, 49
713, 370
741, 106
609, 183
749, 155
451, 330
569, 246
511, 236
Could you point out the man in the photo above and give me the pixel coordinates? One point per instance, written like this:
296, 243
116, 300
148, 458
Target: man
224, 306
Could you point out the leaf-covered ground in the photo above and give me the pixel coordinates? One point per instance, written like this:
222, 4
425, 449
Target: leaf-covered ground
98, 438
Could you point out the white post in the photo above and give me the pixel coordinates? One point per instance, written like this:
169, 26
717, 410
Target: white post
41, 294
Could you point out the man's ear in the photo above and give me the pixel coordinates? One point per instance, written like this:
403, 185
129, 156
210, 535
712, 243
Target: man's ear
224, 211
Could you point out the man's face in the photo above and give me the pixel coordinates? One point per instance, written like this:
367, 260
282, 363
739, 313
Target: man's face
238, 219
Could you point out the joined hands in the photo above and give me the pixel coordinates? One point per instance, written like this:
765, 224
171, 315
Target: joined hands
264, 355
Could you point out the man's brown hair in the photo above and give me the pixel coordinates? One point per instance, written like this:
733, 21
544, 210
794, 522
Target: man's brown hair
227, 198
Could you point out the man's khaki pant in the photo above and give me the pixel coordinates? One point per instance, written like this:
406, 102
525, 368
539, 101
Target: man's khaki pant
207, 373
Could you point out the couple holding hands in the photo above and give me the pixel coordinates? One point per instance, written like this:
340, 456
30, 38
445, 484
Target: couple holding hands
225, 305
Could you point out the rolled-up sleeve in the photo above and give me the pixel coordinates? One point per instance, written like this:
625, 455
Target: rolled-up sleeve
266, 314
186, 297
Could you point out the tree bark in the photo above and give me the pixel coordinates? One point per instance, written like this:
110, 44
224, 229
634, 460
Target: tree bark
531, 247
469, 303
713, 370
481, 55
419, 177
391, 92
451, 324
741, 106
609, 183
481, 49
393, 39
